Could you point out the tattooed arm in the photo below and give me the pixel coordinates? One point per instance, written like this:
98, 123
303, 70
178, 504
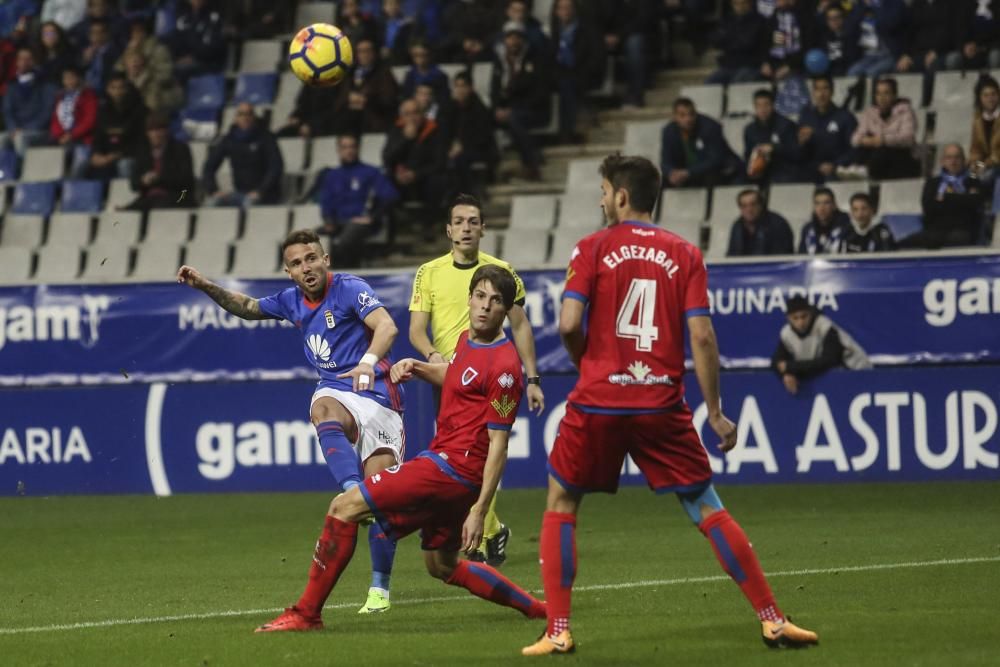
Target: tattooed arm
238, 304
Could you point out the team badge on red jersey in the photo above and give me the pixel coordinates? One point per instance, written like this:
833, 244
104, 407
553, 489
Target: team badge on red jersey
469, 375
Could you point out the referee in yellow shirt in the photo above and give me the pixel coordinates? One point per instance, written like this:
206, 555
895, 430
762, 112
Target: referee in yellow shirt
441, 299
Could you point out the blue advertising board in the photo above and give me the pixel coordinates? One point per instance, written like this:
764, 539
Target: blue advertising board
902, 311
886, 424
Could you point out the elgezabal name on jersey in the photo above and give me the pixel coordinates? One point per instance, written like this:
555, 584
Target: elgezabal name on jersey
640, 252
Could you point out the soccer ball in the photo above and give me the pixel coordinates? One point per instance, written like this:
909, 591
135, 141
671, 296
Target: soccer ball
320, 55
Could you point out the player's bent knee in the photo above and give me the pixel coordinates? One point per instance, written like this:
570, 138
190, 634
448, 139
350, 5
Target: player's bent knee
561, 499
702, 504
439, 565
350, 506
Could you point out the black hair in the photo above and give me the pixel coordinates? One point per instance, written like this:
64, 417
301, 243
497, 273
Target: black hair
637, 175
463, 199
684, 102
824, 191
891, 82
984, 81
501, 279
306, 236
863, 196
750, 191
763, 92
824, 77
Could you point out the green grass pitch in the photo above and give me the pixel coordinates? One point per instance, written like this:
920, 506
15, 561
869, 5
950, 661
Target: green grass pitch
888, 574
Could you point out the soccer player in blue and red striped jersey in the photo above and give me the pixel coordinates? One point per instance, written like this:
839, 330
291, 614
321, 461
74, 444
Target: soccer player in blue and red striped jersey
630, 290
356, 409
446, 490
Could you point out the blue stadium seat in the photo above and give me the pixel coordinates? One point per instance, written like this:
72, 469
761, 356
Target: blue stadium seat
206, 92
256, 88
903, 225
80, 196
8, 165
35, 198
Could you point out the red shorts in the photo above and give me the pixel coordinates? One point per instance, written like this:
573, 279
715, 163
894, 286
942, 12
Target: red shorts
422, 494
590, 449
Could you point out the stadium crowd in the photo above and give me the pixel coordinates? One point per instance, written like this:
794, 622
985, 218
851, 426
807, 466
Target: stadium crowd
127, 89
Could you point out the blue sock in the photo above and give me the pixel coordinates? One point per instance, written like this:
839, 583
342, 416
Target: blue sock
340, 456
383, 551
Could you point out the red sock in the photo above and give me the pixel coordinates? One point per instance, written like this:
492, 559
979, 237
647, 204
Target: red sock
558, 557
487, 583
333, 552
737, 558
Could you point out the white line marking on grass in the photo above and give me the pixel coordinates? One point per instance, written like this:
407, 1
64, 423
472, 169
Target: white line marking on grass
461, 598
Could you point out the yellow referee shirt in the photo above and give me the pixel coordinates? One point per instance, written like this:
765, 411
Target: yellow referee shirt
441, 288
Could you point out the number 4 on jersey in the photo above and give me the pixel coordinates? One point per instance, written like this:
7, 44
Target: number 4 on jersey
635, 317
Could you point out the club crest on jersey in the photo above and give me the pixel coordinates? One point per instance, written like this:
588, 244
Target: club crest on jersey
504, 405
506, 380
469, 375
330, 323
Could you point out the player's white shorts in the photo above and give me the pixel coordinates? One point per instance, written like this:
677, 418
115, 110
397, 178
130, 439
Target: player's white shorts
378, 426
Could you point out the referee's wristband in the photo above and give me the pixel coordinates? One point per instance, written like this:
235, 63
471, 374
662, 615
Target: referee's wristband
431, 354
369, 358
534, 379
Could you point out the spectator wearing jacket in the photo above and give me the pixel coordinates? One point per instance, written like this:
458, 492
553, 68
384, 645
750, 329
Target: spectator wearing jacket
694, 152
742, 39
28, 104
887, 135
395, 30
838, 41
810, 344
879, 30
73, 119
931, 35
162, 176
158, 94
984, 150
159, 62
254, 160
791, 34
630, 29
757, 231
121, 121
826, 228
865, 235
99, 58
355, 200
771, 147
579, 63
521, 95
825, 131
424, 72
367, 100
978, 32
53, 52
952, 204
469, 136
414, 157
197, 42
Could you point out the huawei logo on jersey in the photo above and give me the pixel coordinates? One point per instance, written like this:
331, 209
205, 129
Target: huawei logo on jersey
319, 347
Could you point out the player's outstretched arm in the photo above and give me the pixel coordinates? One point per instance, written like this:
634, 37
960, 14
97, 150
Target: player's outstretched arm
571, 329
384, 332
419, 339
705, 351
496, 461
524, 342
238, 304
405, 370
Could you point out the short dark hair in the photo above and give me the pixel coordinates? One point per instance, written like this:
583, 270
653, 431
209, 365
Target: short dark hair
463, 199
889, 81
501, 279
762, 93
984, 81
825, 191
824, 77
750, 191
462, 76
306, 236
684, 102
637, 175
863, 196
117, 75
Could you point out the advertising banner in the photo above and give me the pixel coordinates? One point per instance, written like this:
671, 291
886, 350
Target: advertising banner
879, 425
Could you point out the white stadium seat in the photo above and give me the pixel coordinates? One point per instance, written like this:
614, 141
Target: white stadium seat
43, 164
118, 226
371, 148
533, 212
217, 225
708, 99
261, 55
22, 231
953, 90
739, 97
530, 249
120, 193
58, 263
107, 262
792, 201
255, 258
156, 262
15, 265
643, 138
953, 126
210, 258
167, 225
683, 204
901, 196
325, 155
581, 212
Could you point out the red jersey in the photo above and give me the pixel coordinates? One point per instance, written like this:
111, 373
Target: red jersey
482, 389
641, 282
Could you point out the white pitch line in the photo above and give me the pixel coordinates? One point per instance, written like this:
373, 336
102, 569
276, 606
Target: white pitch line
455, 598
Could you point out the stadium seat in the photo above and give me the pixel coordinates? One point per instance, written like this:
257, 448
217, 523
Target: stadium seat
210, 258
8, 165
732, 130
15, 265
206, 92
911, 87
167, 225
228, 119
689, 230
255, 258
58, 263
3, 199
199, 153
581, 212
842, 89
268, 223
370, 151
530, 250
844, 190
953, 126
996, 235
256, 88
308, 13
903, 225
70, 229
260, 55
901, 196
22, 231
533, 212
492, 243
156, 262
43, 163
196, 124
118, 227
305, 216
119, 194
793, 201
284, 103
953, 90
451, 69
79, 196
739, 97
583, 177
217, 225
708, 99
107, 262
563, 241
324, 154
482, 75
34, 198
399, 73
643, 138
683, 204
293, 154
